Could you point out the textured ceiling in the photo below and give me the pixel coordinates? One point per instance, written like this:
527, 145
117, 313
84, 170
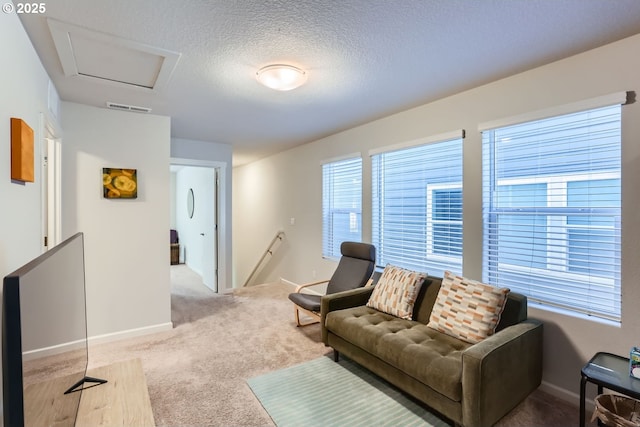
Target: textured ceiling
366, 58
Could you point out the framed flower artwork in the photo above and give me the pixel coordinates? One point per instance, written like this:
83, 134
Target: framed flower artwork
119, 183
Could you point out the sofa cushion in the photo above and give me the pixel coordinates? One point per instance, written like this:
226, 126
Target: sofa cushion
364, 326
396, 291
467, 309
429, 356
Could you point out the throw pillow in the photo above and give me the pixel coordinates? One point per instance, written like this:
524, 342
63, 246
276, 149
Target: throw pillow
467, 309
396, 291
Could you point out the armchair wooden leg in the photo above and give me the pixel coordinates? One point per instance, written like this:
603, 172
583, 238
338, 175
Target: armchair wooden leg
296, 315
336, 355
315, 318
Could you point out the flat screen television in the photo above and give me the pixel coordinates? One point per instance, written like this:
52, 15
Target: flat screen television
44, 314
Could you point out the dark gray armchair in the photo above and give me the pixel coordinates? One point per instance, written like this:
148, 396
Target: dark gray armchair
354, 271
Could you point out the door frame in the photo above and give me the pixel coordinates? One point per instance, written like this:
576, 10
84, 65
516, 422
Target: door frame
223, 252
51, 181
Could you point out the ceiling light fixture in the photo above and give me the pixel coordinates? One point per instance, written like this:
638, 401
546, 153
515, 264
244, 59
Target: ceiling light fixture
281, 77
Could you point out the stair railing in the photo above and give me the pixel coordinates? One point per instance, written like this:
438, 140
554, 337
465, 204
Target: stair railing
266, 256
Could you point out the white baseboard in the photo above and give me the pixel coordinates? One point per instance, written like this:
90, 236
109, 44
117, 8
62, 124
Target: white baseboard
76, 345
53, 350
130, 333
567, 396
294, 285
288, 282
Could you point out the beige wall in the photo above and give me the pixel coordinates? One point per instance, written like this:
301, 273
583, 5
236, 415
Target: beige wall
267, 193
126, 241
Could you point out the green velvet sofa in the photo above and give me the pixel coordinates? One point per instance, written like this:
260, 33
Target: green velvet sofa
474, 385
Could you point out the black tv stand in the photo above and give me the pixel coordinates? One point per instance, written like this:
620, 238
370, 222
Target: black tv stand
78, 386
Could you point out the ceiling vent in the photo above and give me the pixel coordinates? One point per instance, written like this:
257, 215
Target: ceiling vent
108, 59
124, 107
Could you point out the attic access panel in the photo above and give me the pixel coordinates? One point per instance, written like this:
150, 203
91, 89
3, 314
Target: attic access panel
106, 58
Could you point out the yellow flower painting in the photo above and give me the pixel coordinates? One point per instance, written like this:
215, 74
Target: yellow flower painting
119, 183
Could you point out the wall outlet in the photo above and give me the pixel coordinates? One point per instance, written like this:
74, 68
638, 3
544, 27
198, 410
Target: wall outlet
292, 221
314, 274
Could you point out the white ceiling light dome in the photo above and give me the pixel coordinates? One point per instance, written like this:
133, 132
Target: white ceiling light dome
281, 76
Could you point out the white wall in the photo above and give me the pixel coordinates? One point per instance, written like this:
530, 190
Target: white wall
271, 191
126, 241
201, 180
203, 153
172, 200
23, 89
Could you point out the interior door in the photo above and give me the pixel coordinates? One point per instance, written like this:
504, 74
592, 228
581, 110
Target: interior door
210, 235
54, 216
51, 194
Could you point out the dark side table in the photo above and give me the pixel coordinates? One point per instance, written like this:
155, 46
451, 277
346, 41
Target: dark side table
608, 371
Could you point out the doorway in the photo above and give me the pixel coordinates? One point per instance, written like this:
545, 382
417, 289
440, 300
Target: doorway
196, 206
51, 149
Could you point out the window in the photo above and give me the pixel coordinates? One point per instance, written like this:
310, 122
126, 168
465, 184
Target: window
341, 204
417, 206
552, 210
444, 220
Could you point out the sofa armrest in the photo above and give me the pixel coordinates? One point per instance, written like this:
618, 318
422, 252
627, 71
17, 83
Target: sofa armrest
500, 371
341, 300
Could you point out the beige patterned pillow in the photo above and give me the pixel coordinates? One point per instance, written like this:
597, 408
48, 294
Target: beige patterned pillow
396, 291
467, 309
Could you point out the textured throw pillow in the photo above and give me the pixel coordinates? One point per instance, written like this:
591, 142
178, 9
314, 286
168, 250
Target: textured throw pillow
467, 309
396, 291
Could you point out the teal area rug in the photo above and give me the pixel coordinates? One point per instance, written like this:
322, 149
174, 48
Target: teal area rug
325, 393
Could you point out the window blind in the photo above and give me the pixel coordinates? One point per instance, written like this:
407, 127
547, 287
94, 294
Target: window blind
341, 204
417, 206
552, 210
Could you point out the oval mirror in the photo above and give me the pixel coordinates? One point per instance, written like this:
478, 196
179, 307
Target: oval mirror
190, 203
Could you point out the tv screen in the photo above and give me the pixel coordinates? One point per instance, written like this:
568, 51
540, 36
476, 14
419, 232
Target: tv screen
44, 314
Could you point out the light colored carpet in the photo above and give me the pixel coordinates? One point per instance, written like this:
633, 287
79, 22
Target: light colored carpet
329, 394
197, 372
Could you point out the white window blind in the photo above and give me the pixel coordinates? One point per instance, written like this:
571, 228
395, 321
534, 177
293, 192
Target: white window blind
341, 204
417, 206
552, 210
